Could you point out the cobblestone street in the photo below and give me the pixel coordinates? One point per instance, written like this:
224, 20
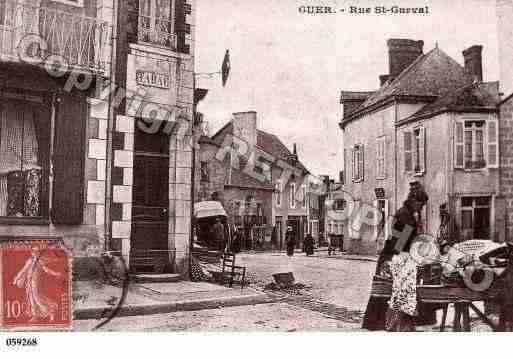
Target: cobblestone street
331, 294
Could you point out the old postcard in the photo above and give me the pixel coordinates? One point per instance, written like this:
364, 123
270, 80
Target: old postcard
269, 166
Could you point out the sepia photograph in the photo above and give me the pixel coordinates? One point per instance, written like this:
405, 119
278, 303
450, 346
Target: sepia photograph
271, 166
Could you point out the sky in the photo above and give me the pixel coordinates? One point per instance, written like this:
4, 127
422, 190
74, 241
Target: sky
290, 67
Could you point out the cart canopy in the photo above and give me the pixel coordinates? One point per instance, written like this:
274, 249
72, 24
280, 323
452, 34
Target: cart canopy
209, 209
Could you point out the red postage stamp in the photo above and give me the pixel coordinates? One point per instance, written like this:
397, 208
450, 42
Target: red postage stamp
35, 286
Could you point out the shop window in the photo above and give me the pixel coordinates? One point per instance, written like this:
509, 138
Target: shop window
475, 217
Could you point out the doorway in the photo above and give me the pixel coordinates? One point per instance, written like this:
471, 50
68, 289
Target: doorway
150, 207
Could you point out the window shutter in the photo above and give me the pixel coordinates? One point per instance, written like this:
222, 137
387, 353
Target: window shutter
42, 122
68, 160
459, 146
361, 163
386, 220
493, 145
422, 150
353, 164
407, 151
378, 158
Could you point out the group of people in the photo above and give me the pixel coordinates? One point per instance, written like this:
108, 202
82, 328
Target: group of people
290, 242
402, 312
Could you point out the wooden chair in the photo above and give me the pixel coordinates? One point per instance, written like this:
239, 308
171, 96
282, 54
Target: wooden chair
231, 272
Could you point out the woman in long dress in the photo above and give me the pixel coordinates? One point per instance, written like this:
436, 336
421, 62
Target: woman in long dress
290, 241
30, 278
400, 313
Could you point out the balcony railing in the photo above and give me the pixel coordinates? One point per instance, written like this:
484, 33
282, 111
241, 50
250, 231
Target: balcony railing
157, 31
79, 40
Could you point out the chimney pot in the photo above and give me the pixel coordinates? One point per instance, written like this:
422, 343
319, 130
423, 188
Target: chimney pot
474, 62
401, 54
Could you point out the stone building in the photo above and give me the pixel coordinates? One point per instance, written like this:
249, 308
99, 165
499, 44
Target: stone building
88, 151
505, 34
433, 121
242, 167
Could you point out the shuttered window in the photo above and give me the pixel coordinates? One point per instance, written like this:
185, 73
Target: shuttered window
293, 195
380, 157
408, 160
476, 144
419, 152
358, 163
24, 159
182, 9
279, 190
68, 160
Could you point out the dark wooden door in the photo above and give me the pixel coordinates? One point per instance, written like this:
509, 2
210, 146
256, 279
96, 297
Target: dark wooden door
150, 207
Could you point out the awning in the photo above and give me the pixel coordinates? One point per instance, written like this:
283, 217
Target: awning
208, 209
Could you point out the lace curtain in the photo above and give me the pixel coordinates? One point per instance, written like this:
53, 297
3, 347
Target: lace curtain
20, 171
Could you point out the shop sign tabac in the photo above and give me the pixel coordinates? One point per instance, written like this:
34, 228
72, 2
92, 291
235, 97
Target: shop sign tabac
152, 79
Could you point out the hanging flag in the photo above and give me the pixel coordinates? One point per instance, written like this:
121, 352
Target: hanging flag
225, 69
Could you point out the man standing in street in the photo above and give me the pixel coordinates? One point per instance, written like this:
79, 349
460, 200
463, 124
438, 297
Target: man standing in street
218, 235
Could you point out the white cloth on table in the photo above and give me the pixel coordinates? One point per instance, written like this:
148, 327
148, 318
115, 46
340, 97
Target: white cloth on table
404, 284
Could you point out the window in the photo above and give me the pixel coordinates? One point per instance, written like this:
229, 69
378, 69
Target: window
293, 195
475, 217
414, 150
156, 23
25, 159
24, 151
279, 190
472, 148
408, 161
205, 175
380, 157
358, 163
304, 196
419, 150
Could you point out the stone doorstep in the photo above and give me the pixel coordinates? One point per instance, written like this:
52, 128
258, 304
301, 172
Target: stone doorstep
187, 302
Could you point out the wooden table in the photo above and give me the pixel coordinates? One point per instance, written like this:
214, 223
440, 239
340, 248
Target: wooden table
463, 299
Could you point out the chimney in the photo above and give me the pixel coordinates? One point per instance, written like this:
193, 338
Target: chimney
383, 79
245, 127
474, 62
293, 158
401, 54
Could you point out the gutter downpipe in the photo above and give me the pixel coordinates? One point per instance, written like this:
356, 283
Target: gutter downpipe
193, 170
110, 127
395, 158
